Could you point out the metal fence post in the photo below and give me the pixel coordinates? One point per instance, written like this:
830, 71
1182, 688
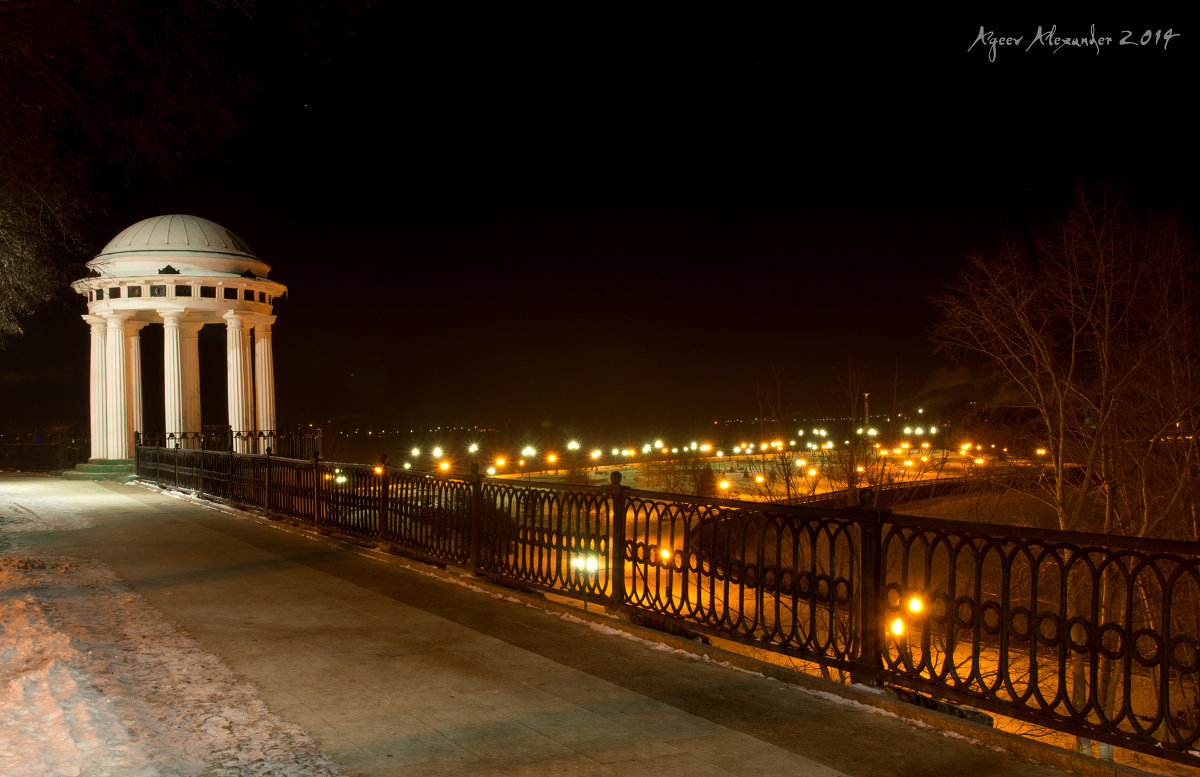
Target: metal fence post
476, 522
381, 470
616, 569
316, 516
267, 483
229, 476
871, 588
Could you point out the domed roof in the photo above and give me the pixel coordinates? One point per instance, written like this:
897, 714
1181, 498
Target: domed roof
177, 233
189, 244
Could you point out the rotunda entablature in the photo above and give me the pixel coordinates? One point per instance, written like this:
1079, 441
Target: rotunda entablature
203, 297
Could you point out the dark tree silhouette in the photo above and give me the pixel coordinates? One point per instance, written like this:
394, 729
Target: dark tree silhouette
124, 87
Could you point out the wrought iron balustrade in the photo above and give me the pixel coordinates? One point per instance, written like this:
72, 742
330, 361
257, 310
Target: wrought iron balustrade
1087, 634
300, 443
45, 452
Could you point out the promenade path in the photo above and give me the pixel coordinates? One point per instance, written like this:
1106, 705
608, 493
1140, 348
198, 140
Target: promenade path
394, 668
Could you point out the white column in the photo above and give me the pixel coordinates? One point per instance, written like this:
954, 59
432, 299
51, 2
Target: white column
189, 374
133, 355
97, 405
116, 387
236, 375
264, 374
172, 373
248, 371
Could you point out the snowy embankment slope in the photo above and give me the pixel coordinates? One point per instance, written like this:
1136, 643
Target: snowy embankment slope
95, 682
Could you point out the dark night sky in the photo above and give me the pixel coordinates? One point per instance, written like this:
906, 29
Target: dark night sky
618, 221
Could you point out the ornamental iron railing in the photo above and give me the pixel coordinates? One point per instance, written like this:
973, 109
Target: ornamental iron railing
44, 452
301, 443
1087, 634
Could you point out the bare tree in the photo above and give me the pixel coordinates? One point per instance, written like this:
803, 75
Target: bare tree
42, 204
121, 86
1096, 330
1095, 327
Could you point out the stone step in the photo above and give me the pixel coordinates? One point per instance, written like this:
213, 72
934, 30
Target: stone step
117, 470
106, 465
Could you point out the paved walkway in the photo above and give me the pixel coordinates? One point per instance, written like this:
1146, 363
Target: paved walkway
394, 670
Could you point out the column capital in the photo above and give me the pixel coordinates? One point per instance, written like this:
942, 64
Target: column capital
94, 321
261, 322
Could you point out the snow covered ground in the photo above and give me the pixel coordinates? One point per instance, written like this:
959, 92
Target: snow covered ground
95, 682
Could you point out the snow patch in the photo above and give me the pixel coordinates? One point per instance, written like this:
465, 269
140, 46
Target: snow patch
94, 681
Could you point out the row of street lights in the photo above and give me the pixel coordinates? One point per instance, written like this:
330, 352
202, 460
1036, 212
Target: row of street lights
658, 448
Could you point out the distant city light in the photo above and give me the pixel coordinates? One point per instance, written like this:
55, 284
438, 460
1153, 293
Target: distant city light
589, 564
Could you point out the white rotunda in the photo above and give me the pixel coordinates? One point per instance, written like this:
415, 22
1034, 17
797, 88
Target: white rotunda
182, 272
